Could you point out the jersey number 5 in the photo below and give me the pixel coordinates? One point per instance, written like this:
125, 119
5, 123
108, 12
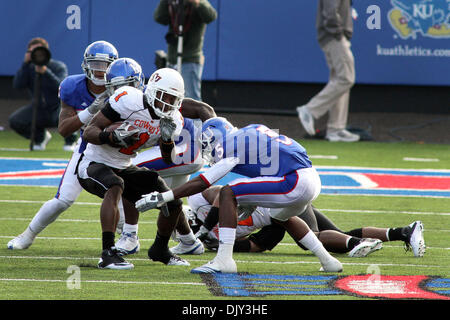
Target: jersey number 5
272, 134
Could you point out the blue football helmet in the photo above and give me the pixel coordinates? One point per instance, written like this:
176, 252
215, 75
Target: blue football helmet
97, 57
124, 72
214, 132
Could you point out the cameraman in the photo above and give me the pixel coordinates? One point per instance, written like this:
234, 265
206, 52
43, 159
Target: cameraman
194, 17
48, 106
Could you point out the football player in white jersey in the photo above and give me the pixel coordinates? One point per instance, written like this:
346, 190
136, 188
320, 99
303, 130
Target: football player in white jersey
106, 170
82, 95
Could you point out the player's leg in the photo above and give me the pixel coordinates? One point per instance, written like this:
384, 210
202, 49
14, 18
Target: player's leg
412, 235
265, 239
68, 191
223, 261
300, 232
102, 181
175, 175
304, 186
188, 244
338, 242
323, 222
128, 242
142, 181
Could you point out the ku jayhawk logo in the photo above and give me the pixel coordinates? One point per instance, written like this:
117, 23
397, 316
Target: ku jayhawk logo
431, 18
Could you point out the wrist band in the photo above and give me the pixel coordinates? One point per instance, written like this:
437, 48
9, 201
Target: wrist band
85, 116
168, 196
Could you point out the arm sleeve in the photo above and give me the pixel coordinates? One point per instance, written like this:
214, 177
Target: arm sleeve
22, 77
110, 113
206, 11
219, 170
161, 13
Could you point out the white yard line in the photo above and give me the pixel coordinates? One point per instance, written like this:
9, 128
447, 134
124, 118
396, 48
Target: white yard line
238, 261
329, 210
108, 281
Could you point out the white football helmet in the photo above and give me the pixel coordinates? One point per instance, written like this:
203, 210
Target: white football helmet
167, 87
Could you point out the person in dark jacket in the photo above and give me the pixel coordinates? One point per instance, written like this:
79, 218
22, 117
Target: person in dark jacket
197, 14
48, 105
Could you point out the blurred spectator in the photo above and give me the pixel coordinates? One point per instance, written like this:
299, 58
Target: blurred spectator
48, 105
194, 17
334, 30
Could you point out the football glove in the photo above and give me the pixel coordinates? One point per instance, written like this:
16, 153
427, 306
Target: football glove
150, 201
245, 211
167, 127
123, 137
98, 103
202, 233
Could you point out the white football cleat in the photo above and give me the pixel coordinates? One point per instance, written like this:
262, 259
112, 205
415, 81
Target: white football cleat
365, 247
177, 261
415, 239
217, 266
22, 241
331, 265
128, 243
183, 248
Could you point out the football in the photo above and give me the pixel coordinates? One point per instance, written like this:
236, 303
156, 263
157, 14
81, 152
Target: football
115, 125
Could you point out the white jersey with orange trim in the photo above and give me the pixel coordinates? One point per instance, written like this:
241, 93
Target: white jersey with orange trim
258, 219
128, 102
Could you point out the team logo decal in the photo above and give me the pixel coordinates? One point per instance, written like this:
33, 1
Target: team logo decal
430, 18
368, 286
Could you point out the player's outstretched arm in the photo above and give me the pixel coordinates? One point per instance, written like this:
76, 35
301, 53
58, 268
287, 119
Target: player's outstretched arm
197, 109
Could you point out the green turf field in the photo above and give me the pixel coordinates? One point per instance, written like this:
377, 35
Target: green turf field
61, 264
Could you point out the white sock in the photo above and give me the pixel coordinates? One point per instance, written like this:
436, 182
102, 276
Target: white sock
48, 213
313, 244
187, 238
227, 237
130, 228
28, 233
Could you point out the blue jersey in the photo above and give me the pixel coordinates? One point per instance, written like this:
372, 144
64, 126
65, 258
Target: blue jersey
263, 152
74, 92
190, 135
189, 149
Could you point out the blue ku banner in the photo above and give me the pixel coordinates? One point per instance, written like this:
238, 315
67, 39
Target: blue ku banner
394, 41
402, 42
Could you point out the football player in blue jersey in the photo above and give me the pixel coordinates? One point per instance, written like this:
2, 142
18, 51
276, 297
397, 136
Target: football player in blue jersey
278, 175
358, 242
81, 95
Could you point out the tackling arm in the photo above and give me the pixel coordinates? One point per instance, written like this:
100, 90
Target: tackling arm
95, 128
69, 122
196, 185
197, 109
